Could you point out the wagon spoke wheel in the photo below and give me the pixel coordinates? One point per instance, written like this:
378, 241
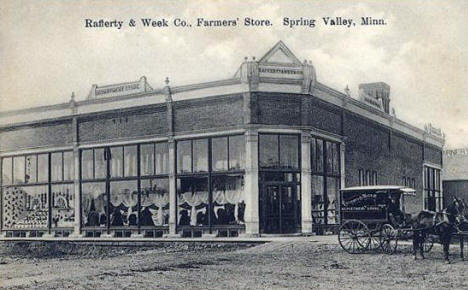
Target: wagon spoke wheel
354, 237
375, 238
389, 239
428, 244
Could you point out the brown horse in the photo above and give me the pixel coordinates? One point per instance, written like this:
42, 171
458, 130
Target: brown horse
442, 224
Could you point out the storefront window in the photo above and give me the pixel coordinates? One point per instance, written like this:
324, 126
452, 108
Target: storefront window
63, 207
193, 201
130, 160
94, 204
100, 167
116, 164
147, 159
154, 202
42, 167
318, 202
325, 160
18, 169
269, 150
200, 155
219, 147
68, 166
236, 152
87, 167
25, 207
31, 169
228, 200
332, 196
56, 166
7, 168
184, 156
289, 151
162, 158
123, 208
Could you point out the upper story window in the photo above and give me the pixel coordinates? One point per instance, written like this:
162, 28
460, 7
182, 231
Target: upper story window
279, 151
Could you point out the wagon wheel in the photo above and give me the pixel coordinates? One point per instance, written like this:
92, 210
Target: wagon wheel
354, 236
389, 239
375, 237
428, 244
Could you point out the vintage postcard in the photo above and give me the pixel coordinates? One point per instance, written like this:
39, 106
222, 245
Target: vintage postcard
233, 144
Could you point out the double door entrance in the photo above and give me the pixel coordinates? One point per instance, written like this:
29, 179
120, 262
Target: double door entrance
279, 208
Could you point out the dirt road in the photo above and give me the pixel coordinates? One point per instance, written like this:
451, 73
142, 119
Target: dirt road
301, 264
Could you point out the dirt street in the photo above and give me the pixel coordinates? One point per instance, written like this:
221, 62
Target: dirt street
300, 264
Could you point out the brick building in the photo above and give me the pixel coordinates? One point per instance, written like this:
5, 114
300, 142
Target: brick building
265, 151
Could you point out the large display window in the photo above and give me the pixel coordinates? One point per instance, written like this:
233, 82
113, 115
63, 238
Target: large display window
33, 199
132, 194
326, 179
210, 182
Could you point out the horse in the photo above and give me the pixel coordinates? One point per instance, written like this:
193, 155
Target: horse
442, 224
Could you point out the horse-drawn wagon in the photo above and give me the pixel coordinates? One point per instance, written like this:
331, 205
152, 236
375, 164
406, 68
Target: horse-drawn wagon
374, 218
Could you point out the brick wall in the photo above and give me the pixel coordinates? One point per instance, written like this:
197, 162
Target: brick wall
202, 114
49, 134
320, 115
433, 155
123, 125
276, 109
393, 156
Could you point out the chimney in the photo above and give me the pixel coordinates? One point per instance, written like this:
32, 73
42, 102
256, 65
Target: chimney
378, 91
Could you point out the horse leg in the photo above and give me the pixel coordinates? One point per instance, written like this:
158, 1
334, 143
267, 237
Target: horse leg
421, 244
446, 243
415, 244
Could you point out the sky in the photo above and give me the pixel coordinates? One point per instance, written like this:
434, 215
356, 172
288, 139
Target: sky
46, 52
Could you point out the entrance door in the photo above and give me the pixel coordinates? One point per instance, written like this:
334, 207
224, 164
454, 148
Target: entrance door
278, 208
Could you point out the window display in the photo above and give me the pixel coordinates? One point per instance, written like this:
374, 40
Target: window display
25, 207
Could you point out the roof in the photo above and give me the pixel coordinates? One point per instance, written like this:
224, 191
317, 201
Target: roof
403, 189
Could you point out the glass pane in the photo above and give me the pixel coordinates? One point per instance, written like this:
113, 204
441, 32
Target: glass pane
68, 166
319, 155
236, 152
116, 164
31, 169
289, 151
228, 200
155, 202
332, 196
56, 166
7, 168
147, 159
87, 164
63, 207
18, 169
94, 204
200, 155
437, 180
336, 158
162, 158
268, 151
313, 154
25, 207
219, 153
318, 204
100, 164
42, 167
130, 160
123, 208
192, 201
329, 152
184, 156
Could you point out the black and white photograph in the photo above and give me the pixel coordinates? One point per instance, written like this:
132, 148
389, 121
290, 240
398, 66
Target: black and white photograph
233, 144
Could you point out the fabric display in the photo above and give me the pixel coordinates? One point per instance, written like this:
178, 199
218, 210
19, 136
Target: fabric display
25, 207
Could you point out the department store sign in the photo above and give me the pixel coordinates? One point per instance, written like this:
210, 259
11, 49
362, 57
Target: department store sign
127, 89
